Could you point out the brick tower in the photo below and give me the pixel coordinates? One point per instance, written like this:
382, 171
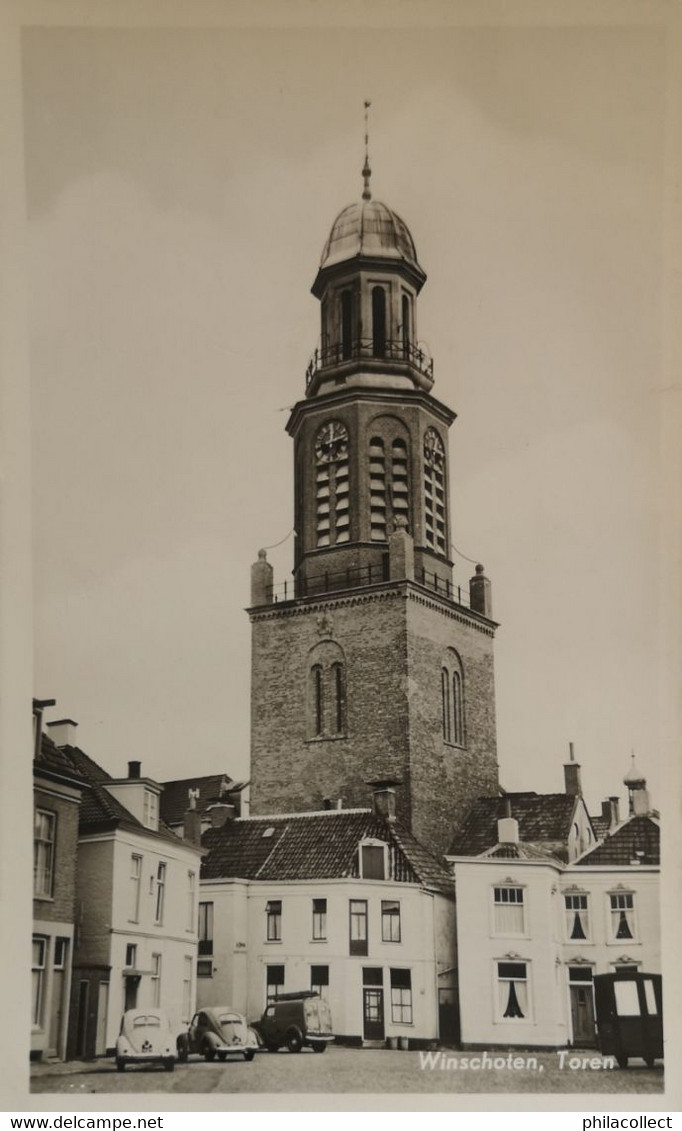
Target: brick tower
371, 664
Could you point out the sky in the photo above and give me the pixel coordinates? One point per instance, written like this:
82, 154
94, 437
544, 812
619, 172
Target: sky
180, 186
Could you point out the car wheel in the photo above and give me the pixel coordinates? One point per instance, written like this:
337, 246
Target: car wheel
650, 1061
222, 1056
272, 1048
249, 1054
622, 1061
294, 1040
209, 1052
183, 1052
318, 1046
169, 1065
120, 1064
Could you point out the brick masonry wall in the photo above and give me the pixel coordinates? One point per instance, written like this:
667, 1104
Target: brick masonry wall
62, 905
95, 900
291, 771
446, 778
393, 640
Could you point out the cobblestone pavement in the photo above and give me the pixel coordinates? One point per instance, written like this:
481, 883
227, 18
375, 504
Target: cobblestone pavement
349, 1071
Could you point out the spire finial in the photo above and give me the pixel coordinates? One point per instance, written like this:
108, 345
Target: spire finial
366, 171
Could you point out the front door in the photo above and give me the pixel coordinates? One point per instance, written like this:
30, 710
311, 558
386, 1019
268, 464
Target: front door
132, 981
56, 1012
102, 1010
373, 1013
582, 1015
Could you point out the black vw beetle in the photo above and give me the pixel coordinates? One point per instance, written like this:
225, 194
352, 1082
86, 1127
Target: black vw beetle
218, 1031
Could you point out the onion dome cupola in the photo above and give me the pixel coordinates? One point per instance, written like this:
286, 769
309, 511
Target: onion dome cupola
367, 283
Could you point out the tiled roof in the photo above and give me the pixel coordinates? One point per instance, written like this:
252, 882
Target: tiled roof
544, 820
639, 838
601, 826
521, 851
52, 760
315, 846
174, 799
99, 810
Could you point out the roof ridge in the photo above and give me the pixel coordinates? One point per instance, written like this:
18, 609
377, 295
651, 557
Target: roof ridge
295, 816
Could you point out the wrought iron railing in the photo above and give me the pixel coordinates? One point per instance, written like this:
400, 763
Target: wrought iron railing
370, 350
357, 577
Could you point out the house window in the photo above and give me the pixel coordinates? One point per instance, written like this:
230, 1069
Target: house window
44, 829
187, 988
508, 910
319, 919
156, 979
39, 951
332, 498
390, 920
358, 926
61, 950
135, 882
373, 861
378, 321
319, 980
401, 997
452, 699
622, 915
512, 981
205, 929
274, 983
191, 896
151, 809
273, 915
160, 892
131, 955
435, 534
577, 923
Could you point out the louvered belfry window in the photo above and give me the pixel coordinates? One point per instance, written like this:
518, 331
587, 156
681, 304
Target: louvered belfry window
435, 532
332, 498
389, 494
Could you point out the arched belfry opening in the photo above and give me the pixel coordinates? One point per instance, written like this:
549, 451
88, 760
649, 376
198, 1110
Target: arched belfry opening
378, 322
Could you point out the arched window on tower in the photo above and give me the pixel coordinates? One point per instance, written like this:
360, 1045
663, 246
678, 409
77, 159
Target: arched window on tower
346, 323
379, 322
377, 489
399, 485
389, 492
338, 691
406, 327
452, 699
435, 534
327, 697
317, 699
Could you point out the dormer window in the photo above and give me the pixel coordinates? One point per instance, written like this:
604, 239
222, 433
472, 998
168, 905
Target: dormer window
373, 860
151, 809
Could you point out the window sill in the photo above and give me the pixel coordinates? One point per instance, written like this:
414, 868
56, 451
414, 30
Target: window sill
454, 745
44, 898
315, 942
272, 942
625, 943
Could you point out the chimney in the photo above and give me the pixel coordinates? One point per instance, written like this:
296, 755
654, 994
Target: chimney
480, 593
401, 552
192, 820
219, 815
134, 769
507, 826
383, 798
63, 732
572, 774
615, 811
39, 706
609, 812
261, 581
327, 804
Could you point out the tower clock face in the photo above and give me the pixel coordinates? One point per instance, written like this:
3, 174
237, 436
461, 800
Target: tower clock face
433, 448
331, 442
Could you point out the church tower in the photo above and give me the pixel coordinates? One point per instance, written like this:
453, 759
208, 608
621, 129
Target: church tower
372, 664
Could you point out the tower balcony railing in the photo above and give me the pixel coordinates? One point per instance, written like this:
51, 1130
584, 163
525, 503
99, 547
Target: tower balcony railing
367, 349
357, 577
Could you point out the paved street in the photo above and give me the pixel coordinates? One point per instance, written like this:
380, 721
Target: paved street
344, 1070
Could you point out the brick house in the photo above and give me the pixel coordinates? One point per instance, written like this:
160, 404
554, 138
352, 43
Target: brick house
136, 904
57, 793
346, 902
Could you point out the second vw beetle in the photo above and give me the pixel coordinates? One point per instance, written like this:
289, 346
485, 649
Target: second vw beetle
218, 1031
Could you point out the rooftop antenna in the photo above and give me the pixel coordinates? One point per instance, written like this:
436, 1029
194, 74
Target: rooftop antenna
366, 171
